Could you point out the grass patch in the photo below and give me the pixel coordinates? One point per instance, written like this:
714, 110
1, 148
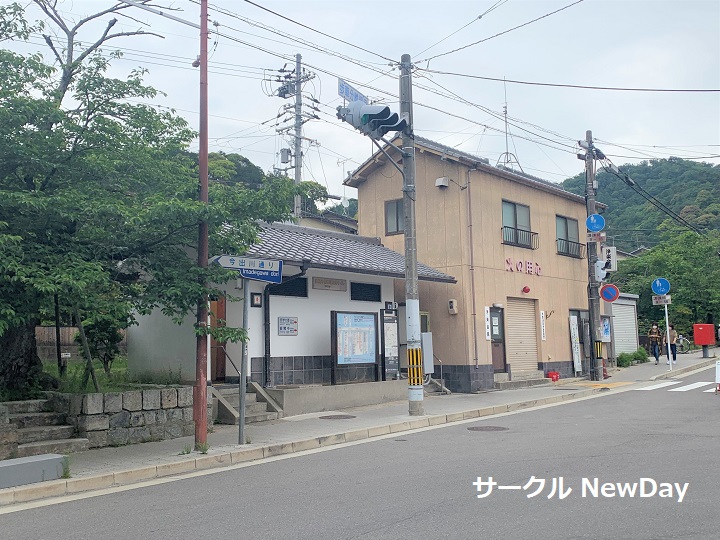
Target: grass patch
118, 380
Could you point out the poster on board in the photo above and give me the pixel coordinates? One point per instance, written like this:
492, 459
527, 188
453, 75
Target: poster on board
355, 336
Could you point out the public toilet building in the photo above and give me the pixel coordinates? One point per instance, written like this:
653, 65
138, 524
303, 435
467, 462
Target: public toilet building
289, 324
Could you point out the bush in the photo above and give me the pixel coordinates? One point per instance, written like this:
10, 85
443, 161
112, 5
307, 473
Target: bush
624, 359
640, 356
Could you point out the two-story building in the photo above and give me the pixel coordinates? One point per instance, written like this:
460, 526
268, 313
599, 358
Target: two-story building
515, 244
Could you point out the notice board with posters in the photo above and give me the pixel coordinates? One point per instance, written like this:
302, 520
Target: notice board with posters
354, 342
355, 337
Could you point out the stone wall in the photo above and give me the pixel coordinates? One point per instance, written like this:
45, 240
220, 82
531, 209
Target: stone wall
8, 435
136, 416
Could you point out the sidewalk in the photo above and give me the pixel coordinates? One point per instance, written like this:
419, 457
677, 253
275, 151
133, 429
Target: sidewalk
107, 467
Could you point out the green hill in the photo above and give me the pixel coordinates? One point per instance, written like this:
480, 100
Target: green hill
689, 188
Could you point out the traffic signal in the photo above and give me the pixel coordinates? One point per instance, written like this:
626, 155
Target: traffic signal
601, 270
372, 120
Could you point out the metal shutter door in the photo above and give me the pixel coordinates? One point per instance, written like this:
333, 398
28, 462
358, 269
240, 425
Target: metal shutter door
521, 335
625, 328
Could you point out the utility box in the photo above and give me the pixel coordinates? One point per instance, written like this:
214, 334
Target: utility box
427, 353
704, 334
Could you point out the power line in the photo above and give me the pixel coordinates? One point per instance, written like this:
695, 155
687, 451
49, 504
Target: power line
562, 85
500, 33
610, 167
318, 31
491, 8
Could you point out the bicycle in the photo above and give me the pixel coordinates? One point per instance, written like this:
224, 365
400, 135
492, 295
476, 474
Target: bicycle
683, 345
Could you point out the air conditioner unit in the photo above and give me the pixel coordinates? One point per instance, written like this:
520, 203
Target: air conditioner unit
442, 182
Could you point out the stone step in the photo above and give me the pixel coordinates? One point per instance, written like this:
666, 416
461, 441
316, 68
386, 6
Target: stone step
28, 406
59, 446
235, 402
231, 394
34, 419
524, 383
44, 433
528, 374
260, 417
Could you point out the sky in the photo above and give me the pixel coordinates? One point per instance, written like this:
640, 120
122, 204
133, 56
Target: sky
651, 44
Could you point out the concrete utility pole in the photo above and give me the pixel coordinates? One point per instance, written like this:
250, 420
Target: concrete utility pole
201, 356
596, 369
412, 296
298, 132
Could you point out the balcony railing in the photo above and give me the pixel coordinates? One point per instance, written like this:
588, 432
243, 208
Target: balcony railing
520, 238
570, 248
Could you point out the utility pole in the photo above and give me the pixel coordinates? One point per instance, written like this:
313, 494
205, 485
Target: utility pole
201, 356
412, 296
297, 211
596, 369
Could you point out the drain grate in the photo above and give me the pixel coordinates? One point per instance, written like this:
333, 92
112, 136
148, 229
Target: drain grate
487, 428
337, 417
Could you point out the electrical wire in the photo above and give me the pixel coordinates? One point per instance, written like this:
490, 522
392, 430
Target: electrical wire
318, 31
501, 33
491, 8
561, 85
610, 167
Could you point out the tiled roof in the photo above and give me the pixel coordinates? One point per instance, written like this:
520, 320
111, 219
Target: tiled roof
335, 251
470, 160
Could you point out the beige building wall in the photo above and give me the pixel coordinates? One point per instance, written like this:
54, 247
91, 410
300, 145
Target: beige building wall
443, 232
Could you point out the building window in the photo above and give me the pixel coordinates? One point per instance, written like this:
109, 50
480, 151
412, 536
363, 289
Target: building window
394, 222
296, 287
568, 240
366, 292
516, 226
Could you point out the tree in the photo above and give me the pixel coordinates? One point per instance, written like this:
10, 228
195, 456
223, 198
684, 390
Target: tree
690, 263
350, 211
98, 196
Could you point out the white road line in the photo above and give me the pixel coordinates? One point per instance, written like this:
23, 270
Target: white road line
711, 390
659, 385
692, 386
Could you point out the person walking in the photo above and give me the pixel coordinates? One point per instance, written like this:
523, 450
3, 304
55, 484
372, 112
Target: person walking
673, 344
655, 338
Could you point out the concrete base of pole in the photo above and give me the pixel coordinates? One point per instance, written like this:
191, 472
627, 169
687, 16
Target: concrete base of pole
415, 408
415, 401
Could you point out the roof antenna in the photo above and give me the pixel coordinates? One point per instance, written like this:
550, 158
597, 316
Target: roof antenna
510, 158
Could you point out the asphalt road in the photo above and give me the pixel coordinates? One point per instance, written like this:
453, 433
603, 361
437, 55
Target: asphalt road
420, 485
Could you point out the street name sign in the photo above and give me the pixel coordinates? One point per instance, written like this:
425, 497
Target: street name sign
349, 93
266, 270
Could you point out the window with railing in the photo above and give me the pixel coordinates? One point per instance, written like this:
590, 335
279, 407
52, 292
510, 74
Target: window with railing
568, 243
516, 226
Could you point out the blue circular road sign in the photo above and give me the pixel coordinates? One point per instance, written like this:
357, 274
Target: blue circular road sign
595, 223
660, 286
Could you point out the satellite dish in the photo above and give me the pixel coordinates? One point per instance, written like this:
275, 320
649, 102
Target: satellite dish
345, 203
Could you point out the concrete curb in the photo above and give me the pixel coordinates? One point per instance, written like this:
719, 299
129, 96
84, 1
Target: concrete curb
70, 486
686, 369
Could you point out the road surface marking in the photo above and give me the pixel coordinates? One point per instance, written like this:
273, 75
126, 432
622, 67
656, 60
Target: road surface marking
690, 387
659, 385
711, 390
